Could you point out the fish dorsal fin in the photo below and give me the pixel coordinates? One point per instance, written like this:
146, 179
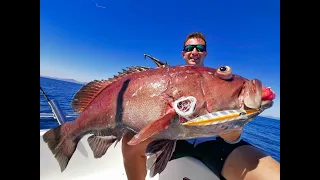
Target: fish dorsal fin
88, 92
159, 63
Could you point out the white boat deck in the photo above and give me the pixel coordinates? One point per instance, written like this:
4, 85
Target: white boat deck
83, 166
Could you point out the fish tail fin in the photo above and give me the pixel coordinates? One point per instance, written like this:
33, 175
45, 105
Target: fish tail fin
162, 151
61, 145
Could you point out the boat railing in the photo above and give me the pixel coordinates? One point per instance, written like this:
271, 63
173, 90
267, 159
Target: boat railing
57, 112
52, 115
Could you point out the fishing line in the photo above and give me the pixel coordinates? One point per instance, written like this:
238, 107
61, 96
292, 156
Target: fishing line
47, 98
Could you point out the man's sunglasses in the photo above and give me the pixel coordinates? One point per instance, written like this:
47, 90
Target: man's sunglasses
199, 47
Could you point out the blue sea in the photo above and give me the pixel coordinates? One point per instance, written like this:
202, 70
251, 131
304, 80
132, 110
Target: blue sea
262, 132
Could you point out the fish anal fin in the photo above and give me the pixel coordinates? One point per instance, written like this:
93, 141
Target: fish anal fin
88, 92
100, 144
153, 128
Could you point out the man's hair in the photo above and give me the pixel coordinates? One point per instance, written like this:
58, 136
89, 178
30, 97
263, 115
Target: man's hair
195, 35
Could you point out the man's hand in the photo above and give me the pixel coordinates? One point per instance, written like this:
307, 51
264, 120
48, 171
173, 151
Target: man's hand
134, 157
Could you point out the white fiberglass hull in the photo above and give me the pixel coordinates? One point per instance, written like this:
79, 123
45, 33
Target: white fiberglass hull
83, 166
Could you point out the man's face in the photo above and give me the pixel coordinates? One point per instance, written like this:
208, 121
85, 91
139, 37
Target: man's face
194, 57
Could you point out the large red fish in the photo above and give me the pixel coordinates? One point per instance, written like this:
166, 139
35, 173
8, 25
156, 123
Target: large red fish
163, 103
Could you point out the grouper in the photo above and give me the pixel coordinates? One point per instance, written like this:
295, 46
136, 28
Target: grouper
168, 103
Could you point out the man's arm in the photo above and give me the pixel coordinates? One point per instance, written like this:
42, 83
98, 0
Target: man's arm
134, 158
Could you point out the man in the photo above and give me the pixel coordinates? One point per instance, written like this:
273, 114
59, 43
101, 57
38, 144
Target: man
227, 156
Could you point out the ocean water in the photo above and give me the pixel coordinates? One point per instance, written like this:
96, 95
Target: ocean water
263, 132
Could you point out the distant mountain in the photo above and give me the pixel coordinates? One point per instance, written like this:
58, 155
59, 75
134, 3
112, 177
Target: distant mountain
63, 79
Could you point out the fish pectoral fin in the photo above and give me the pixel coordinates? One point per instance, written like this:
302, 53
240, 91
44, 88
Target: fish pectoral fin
153, 128
100, 144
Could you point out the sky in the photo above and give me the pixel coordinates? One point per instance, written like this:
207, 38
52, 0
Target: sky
95, 39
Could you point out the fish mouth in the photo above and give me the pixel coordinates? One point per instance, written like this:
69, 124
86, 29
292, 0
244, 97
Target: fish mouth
253, 98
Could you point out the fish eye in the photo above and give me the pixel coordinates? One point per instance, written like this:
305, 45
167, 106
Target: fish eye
224, 72
223, 68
